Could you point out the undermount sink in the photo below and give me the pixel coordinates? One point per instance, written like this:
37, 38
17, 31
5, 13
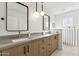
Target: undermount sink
19, 40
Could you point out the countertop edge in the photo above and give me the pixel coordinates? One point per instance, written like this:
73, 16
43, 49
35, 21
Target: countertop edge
14, 44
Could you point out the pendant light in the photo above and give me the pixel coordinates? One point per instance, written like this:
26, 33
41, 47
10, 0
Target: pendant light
36, 14
42, 12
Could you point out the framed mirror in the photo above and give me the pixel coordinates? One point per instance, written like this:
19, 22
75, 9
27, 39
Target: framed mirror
46, 23
16, 17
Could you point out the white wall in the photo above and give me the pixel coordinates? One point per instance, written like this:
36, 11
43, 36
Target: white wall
35, 24
3, 23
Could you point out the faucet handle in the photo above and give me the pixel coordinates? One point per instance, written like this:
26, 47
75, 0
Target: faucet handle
29, 35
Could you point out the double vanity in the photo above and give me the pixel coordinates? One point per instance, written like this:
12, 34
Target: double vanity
42, 45
19, 21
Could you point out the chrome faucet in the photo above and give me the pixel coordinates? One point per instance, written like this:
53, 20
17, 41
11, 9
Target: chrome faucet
43, 33
29, 35
19, 34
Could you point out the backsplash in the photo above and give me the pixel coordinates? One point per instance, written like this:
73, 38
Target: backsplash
14, 36
19, 36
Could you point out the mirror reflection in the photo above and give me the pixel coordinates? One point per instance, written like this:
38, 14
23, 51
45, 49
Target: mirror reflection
46, 24
17, 16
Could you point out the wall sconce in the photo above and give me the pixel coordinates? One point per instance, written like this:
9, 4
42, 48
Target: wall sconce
36, 14
42, 12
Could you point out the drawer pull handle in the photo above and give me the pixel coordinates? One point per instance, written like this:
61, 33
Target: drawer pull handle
55, 37
42, 40
27, 48
42, 47
24, 50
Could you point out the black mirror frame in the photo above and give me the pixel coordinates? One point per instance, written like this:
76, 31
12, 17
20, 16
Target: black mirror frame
27, 18
48, 22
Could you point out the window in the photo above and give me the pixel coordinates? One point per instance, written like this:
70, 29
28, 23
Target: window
68, 22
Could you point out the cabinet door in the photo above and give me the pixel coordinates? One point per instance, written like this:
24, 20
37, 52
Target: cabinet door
10, 52
43, 41
49, 46
42, 50
29, 50
42, 47
21, 50
35, 47
54, 41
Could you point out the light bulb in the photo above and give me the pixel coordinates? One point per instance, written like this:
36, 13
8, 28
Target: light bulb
42, 13
36, 14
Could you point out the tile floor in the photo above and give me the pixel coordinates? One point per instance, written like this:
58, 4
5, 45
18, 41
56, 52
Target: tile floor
66, 51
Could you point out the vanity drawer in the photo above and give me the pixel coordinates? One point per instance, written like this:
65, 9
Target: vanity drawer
42, 50
42, 41
54, 44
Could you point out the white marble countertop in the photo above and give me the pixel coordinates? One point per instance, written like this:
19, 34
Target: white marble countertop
8, 43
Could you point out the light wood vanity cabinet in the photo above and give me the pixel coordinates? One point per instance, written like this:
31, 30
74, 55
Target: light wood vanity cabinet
39, 47
49, 44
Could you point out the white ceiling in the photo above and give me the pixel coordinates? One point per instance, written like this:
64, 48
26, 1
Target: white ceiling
60, 7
